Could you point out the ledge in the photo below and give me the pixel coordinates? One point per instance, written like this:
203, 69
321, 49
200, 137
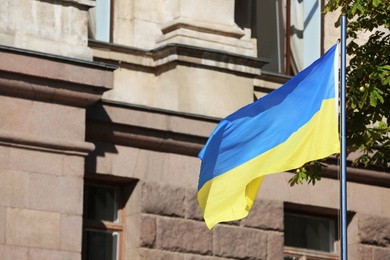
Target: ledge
201, 26
182, 133
154, 60
54, 144
87, 3
53, 78
147, 128
376, 177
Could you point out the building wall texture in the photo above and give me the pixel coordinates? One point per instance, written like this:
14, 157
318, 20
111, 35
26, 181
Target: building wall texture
135, 113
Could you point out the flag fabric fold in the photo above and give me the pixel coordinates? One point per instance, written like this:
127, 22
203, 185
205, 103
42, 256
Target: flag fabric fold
292, 125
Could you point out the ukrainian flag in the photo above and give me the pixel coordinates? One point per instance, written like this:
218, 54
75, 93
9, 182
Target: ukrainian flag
292, 125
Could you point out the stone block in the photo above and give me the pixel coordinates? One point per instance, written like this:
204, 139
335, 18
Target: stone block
33, 228
44, 254
148, 231
125, 9
133, 204
122, 25
100, 160
23, 13
221, 96
360, 203
61, 23
143, 11
357, 252
58, 121
265, 214
353, 230
274, 245
236, 242
162, 199
151, 254
180, 235
35, 161
50, 28
56, 193
124, 161
150, 164
380, 253
4, 18
16, 114
132, 232
73, 166
145, 33
182, 170
71, 232
4, 156
15, 188
367, 252
74, 35
13, 252
203, 257
205, 10
142, 89
192, 209
374, 230
2, 224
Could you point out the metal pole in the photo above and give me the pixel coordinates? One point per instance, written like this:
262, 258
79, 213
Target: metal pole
343, 153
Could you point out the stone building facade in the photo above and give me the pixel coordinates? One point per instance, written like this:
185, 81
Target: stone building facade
104, 108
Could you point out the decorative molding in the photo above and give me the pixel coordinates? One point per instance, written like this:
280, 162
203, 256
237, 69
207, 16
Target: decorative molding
53, 144
160, 130
201, 26
52, 78
377, 177
145, 138
154, 60
88, 3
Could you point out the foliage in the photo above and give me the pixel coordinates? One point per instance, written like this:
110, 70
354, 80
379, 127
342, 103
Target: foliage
368, 84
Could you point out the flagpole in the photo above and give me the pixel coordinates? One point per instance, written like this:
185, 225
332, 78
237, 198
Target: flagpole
343, 153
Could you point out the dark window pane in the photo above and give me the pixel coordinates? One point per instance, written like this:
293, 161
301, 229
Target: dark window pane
100, 203
100, 245
288, 32
309, 232
269, 30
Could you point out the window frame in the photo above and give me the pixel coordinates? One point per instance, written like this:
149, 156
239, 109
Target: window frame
308, 254
246, 13
103, 225
288, 34
111, 22
315, 212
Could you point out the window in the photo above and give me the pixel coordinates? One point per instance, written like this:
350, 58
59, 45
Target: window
288, 32
102, 222
100, 21
309, 237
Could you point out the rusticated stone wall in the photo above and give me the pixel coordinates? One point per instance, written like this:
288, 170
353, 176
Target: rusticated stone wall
171, 227
163, 220
371, 237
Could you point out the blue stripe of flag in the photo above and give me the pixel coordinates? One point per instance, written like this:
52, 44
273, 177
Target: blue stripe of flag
268, 122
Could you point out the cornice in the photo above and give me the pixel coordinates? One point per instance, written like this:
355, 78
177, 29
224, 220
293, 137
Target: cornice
181, 133
369, 176
147, 128
52, 78
19, 139
157, 59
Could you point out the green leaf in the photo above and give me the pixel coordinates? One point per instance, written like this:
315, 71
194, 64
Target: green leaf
368, 80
